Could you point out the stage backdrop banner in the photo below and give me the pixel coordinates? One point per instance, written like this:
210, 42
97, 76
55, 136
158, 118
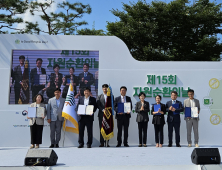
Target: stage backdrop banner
106, 55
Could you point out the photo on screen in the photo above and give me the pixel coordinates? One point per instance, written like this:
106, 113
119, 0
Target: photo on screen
41, 71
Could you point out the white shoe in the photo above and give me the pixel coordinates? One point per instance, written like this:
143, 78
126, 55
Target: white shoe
189, 145
196, 145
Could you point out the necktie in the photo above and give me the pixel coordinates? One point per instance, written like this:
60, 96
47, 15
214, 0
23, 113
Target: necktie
123, 100
85, 75
38, 71
174, 102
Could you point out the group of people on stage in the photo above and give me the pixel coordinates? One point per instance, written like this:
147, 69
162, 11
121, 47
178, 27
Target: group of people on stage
54, 117
57, 80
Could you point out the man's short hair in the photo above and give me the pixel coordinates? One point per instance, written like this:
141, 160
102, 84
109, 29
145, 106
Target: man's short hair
123, 87
142, 93
34, 99
105, 86
21, 57
190, 90
86, 64
72, 68
175, 92
57, 89
50, 92
38, 59
56, 65
87, 88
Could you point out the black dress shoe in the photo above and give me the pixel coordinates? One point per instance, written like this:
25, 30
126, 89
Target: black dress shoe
126, 145
88, 146
80, 146
118, 145
140, 145
57, 146
101, 145
51, 146
170, 145
178, 145
108, 145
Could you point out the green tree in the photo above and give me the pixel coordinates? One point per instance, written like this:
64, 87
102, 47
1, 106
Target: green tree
175, 31
63, 22
8, 15
87, 31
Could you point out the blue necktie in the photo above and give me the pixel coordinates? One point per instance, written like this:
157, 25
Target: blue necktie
174, 102
85, 75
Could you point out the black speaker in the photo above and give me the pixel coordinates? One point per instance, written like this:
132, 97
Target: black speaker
41, 157
205, 156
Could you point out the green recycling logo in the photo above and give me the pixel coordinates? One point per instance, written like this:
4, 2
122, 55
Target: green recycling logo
17, 41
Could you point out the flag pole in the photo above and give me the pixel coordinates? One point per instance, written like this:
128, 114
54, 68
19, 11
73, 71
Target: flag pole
64, 134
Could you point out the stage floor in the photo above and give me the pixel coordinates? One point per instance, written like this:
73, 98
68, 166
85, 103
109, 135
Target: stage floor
112, 157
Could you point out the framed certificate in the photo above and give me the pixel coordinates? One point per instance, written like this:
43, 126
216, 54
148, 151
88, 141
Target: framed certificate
40, 112
89, 109
127, 107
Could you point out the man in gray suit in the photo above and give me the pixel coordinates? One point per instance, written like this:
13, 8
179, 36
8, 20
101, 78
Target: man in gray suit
192, 122
54, 116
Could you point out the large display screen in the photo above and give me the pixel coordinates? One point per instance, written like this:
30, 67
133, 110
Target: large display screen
41, 71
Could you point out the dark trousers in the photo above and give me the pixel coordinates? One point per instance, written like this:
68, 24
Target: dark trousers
122, 123
158, 133
176, 126
102, 141
17, 94
36, 89
142, 126
36, 133
89, 125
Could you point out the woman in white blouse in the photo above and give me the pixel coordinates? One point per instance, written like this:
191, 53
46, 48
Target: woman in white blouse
36, 124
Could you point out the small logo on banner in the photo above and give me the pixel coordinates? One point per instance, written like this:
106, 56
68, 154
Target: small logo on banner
24, 112
17, 41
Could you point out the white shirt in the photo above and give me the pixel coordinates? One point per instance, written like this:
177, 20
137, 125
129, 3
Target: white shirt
123, 97
105, 97
192, 103
174, 101
85, 73
86, 101
22, 68
39, 71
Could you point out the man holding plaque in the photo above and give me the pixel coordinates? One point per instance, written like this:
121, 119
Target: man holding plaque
86, 108
37, 83
123, 107
192, 106
174, 107
54, 117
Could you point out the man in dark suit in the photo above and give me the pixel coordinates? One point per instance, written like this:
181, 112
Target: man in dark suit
173, 118
122, 118
18, 76
85, 79
70, 77
86, 120
101, 103
34, 72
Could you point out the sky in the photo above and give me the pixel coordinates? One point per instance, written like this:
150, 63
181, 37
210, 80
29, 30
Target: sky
101, 12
